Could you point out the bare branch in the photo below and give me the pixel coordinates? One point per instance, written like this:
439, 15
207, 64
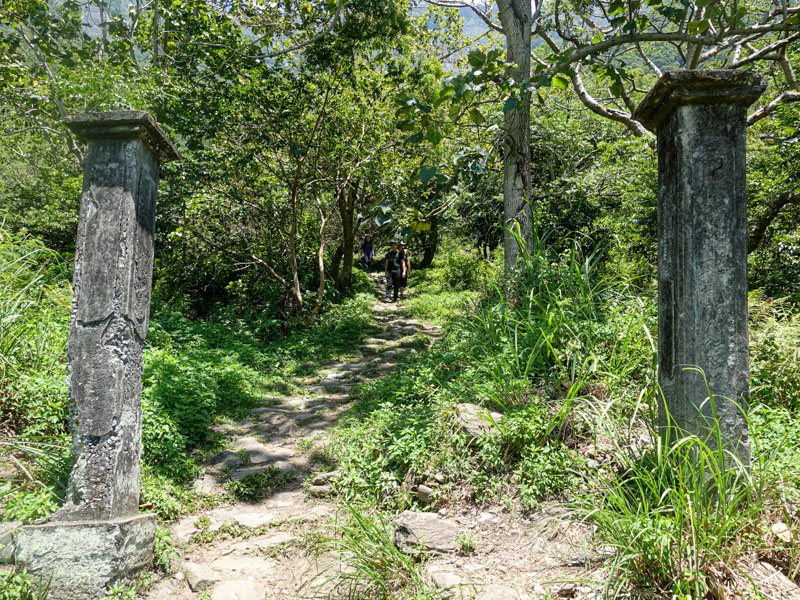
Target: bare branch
764, 221
650, 63
772, 106
482, 15
604, 111
764, 51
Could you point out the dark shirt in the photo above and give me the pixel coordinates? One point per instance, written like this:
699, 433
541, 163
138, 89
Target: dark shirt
395, 259
366, 250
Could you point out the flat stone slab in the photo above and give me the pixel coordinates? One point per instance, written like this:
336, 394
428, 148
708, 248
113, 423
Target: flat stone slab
208, 484
476, 421
239, 589
242, 473
417, 532
226, 459
244, 565
499, 592
200, 577
85, 557
265, 544
247, 519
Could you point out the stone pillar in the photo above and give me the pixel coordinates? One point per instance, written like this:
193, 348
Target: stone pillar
700, 120
98, 536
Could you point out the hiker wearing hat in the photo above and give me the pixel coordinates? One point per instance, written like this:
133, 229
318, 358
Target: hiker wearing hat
395, 271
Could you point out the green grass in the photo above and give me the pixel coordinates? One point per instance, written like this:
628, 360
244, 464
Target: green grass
366, 564
681, 516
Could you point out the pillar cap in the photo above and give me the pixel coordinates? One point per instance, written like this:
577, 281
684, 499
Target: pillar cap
718, 86
121, 124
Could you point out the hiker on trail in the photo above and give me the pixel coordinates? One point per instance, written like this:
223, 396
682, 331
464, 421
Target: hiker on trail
395, 271
404, 279
367, 252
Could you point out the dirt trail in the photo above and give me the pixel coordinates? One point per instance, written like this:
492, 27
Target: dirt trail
268, 549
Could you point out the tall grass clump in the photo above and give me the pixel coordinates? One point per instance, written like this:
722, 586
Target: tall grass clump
682, 519
34, 317
365, 564
561, 321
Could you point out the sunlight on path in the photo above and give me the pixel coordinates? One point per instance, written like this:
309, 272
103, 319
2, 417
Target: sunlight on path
267, 547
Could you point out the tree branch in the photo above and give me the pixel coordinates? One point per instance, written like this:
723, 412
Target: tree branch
762, 112
604, 111
773, 208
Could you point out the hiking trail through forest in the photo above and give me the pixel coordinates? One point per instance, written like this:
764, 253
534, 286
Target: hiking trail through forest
271, 548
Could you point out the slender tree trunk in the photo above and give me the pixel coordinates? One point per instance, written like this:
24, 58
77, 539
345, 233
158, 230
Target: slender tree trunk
430, 244
320, 262
764, 221
346, 201
298, 296
336, 263
515, 15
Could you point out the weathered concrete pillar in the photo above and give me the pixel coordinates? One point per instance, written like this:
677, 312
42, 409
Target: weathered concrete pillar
700, 120
99, 536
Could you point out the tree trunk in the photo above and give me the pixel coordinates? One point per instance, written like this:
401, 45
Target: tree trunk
430, 243
320, 262
515, 15
764, 221
336, 263
298, 295
346, 200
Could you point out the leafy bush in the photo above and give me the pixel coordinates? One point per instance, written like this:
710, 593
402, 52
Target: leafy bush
464, 272
774, 352
544, 472
18, 585
29, 505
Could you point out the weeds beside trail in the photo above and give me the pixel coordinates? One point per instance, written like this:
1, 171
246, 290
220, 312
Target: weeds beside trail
566, 351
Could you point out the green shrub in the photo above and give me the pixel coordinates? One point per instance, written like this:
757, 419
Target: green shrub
39, 402
18, 585
544, 472
464, 272
774, 352
29, 505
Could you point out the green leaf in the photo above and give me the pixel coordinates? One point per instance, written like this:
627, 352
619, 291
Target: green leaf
510, 104
476, 58
476, 116
434, 135
616, 89
560, 82
383, 219
454, 112
406, 125
598, 38
700, 26
414, 139
426, 174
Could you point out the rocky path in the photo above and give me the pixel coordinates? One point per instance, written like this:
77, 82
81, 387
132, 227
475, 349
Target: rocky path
271, 548
268, 549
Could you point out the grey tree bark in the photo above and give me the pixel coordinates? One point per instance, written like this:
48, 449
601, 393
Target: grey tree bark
516, 17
